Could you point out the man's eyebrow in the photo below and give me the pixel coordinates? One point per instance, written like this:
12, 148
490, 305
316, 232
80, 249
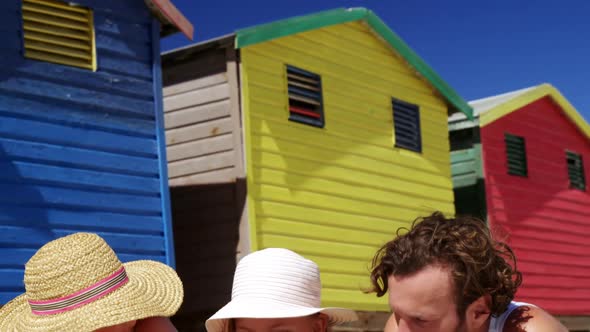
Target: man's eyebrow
281, 325
415, 315
242, 328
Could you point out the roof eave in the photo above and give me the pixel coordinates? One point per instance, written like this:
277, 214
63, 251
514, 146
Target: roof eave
269, 31
541, 91
171, 18
186, 52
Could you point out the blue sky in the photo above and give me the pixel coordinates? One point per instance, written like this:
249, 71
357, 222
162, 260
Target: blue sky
479, 48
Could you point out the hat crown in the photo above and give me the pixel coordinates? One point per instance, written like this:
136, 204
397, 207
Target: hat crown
67, 265
280, 275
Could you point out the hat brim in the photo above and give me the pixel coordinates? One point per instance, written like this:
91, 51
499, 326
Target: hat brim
272, 309
153, 289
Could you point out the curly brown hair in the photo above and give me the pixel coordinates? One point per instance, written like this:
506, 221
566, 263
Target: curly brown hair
479, 264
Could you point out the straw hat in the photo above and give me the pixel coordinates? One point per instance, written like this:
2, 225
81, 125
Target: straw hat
275, 283
77, 283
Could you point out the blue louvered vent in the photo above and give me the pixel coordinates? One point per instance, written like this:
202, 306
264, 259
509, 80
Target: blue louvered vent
406, 121
305, 97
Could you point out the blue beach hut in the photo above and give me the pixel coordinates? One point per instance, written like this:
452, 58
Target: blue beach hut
81, 128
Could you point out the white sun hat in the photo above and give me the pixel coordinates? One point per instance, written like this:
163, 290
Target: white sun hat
276, 283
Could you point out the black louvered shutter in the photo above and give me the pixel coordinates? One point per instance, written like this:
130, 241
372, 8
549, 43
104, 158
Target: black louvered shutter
305, 97
516, 155
406, 121
575, 169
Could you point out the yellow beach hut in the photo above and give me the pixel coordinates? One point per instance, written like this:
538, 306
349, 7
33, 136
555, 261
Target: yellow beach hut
322, 134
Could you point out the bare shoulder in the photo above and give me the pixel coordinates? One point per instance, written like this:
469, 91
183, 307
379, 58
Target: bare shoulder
391, 325
532, 319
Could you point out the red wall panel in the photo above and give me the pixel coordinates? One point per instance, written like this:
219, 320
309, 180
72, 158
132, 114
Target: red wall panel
546, 222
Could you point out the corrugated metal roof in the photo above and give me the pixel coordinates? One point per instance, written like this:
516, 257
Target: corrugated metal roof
483, 105
488, 110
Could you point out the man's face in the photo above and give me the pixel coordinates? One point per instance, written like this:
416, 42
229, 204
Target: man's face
315, 323
424, 301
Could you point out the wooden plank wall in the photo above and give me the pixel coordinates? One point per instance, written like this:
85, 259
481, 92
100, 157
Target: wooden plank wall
207, 184
468, 180
336, 194
546, 221
200, 135
78, 149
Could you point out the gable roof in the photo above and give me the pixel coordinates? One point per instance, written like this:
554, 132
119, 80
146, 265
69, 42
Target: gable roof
493, 108
483, 105
282, 28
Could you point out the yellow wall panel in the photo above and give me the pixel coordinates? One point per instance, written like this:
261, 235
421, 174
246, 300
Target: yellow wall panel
331, 39
334, 143
346, 76
364, 132
310, 182
318, 247
352, 63
358, 32
319, 167
342, 97
341, 298
339, 281
338, 193
325, 216
312, 230
342, 265
262, 191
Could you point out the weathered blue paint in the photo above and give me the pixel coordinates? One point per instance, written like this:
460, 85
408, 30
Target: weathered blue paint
159, 106
82, 150
77, 158
108, 120
96, 220
101, 81
80, 178
58, 134
115, 65
50, 88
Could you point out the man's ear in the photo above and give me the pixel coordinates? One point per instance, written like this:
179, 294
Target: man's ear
321, 323
478, 312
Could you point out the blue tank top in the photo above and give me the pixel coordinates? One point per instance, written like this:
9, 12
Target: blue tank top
497, 323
